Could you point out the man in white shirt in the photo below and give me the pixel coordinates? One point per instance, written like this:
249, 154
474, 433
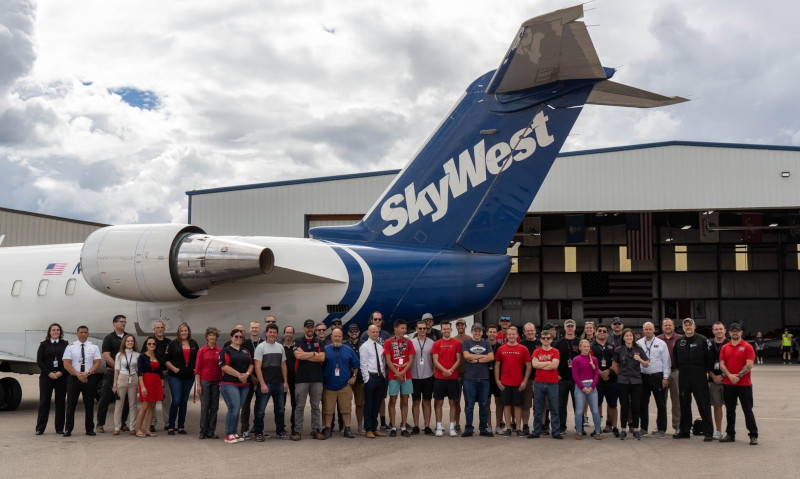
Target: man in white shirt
81, 360
373, 370
655, 378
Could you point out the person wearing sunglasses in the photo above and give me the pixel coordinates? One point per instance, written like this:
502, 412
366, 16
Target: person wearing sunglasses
150, 370
309, 357
236, 364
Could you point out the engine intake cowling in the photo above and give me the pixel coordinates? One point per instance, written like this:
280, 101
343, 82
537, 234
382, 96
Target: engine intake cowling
166, 262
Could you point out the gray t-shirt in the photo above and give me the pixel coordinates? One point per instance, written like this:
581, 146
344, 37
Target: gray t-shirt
271, 357
476, 370
423, 361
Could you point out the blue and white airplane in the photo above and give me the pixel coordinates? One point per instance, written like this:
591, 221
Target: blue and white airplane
436, 241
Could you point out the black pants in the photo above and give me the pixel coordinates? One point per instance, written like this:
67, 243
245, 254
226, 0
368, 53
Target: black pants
76, 388
651, 383
745, 396
694, 381
105, 399
630, 398
566, 388
47, 386
292, 401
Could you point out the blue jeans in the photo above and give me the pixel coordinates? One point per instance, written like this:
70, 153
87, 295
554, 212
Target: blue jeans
234, 397
180, 389
476, 390
580, 400
540, 391
275, 391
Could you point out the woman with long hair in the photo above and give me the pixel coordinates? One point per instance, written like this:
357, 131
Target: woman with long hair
628, 359
180, 359
126, 381
150, 369
585, 373
52, 378
236, 364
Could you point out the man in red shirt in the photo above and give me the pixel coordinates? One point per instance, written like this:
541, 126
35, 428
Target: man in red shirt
511, 373
736, 359
446, 354
545, 360
399, 353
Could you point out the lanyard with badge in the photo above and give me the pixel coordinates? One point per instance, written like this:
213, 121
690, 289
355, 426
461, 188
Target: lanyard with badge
421, 349
336, 352
128, 360
54, 349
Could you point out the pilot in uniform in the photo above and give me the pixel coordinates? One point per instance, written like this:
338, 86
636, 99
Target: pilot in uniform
81, 360
693, 359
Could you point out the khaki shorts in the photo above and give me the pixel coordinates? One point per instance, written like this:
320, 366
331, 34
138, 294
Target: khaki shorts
715, 391
344, 396
358, 393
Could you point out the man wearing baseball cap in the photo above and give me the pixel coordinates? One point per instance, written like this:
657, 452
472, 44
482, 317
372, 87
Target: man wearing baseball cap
431, 333
616, 332
736, 360
309, 357
694, 361
478, 354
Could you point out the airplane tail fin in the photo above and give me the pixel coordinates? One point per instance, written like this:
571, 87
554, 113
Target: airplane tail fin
473, 181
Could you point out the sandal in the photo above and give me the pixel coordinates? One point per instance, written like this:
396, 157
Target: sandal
151, 434
139, 434
133, 432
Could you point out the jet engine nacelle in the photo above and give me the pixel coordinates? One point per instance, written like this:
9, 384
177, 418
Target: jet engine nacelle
166, 262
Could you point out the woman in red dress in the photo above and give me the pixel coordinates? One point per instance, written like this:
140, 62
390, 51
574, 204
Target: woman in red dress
151, 371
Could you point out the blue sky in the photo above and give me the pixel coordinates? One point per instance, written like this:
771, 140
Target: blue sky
110, 111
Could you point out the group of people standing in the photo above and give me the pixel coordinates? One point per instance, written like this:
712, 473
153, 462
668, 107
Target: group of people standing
334, 371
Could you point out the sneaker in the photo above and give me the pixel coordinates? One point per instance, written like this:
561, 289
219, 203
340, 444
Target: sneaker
717, 435
533, 436
546, 431
415, 431
520, 433
327, 432
439, 432
642, 433
557, 436
499, 431
230, 439
753, 441
502, 425
348, 433
585, 419
623, 435
526, 429
727, 439
283, 435
405, 433
578, 436
259, 437
428, 431
598, 436
453, 432
202, 436
486, 434
362, 432
393, 433
637, 435
679, 435
467, 434
245, 436
607, 429
660, 434
615, 431
171, 432
239, 438
506, 433
152, 428
593, 434
458, 427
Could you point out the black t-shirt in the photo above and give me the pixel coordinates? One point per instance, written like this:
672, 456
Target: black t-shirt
289, 363
356, 346
531, 347
605, 356
715, 348
306, 371
568, 350
111, 345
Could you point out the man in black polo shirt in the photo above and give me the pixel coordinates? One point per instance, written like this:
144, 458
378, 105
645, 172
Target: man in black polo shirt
110, 349
607, 388
567, 349
309, 358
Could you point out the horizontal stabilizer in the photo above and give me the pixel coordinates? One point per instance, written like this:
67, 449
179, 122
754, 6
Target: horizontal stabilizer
548, 48
616, 94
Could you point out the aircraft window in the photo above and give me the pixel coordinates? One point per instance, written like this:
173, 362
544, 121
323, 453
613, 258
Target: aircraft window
43, 287
70, 287
16, 287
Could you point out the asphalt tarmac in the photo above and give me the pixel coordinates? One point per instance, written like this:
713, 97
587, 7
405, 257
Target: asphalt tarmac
23, 455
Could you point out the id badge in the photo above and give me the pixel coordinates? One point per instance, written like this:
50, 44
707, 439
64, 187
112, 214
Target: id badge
569, 362
336, 372
716, 366
400, 361
55, 363
130, 379
603, 363
421, 361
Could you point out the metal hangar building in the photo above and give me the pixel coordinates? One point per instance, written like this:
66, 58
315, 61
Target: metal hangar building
671, 229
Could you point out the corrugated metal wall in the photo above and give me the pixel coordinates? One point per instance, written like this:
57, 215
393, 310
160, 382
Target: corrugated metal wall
28, 229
